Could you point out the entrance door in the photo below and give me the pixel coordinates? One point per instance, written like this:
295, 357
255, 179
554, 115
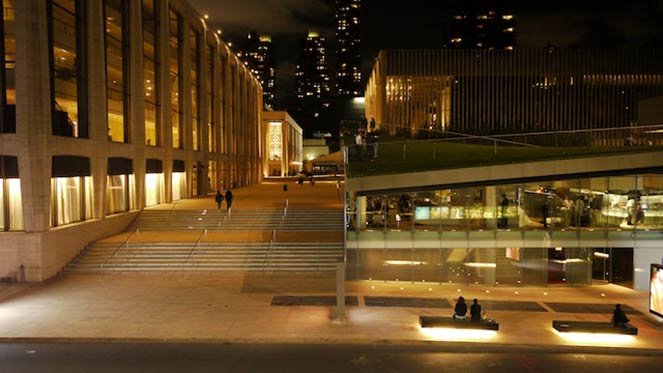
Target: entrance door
622, 266
613, 265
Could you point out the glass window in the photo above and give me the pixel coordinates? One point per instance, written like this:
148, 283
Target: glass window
119, 195
195, 94
68, 71
8, 64
71, 199
209, 88
174, 23
150, 70
179, 185
11, 205
153, 189
117, 47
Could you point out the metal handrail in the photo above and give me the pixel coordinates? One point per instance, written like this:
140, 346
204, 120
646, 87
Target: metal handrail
119, 247
200, 237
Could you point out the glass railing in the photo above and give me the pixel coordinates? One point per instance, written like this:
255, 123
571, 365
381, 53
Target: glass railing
443, 150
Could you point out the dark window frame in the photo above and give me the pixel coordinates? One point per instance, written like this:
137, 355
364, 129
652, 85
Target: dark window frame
81, 67
125, 23
156, 20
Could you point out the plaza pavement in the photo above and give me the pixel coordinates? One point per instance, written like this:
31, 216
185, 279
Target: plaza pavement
236, 307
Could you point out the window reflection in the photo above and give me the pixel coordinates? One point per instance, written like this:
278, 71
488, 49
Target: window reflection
195, 94
150, 70
175, 67
68, 66
7, 66
209, 88
71, 199
11, 205
116, 61
120, 193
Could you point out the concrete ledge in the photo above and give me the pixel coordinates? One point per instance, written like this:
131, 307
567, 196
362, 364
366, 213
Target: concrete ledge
450, 322
593, 327
418, 345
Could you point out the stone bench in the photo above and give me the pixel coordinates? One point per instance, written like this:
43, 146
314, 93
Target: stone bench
593, 327
450, 322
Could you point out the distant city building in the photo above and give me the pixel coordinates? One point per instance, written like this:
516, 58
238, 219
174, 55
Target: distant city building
258, 55
348, 64
282, 144
481, 24
489, 92
312, 76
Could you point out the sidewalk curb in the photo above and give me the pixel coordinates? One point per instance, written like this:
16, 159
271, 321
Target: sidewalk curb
462, 347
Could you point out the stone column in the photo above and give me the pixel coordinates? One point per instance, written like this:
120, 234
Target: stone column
33, 112
137, 97
165, 125
98, 118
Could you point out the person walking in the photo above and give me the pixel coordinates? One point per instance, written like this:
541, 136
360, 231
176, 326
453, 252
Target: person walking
219, 199
475, 311
461, 309
229, 198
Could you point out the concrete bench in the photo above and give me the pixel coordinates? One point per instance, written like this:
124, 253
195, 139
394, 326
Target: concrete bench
450, 322
593, 327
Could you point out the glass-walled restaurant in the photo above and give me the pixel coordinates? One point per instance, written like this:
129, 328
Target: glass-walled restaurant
479, 234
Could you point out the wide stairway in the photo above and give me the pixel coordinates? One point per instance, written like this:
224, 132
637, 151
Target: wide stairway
214, 240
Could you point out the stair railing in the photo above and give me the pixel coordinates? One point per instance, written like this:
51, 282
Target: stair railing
119, 247
193, 249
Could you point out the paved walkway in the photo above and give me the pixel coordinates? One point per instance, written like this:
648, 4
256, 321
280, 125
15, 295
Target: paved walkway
212, 307
185, 306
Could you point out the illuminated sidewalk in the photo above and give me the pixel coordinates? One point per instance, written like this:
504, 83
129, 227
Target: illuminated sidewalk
236, 309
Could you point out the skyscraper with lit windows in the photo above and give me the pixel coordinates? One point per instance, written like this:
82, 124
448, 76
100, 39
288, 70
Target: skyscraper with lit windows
258, 55
481, 24
348, 64
312, 76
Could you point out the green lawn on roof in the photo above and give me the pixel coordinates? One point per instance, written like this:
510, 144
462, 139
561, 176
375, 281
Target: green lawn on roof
416, 156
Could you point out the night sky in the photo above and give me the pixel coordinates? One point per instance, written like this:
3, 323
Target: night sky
415, 24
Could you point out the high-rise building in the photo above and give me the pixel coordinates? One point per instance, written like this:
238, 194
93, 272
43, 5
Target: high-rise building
481, 24
348, 64
258, 56
312, 76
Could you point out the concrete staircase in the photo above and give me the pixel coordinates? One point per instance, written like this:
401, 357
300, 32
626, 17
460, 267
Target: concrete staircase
317, 247
240, 220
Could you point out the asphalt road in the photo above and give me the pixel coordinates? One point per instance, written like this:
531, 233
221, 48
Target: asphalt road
198, 357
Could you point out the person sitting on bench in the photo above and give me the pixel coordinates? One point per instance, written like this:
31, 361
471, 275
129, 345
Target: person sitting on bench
461, 309
475, 311
619, 317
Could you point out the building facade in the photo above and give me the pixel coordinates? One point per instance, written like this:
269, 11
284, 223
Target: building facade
258, 55
556, 221
348, 62
108, 107
482, 24
490, 92
283, 144
312, 75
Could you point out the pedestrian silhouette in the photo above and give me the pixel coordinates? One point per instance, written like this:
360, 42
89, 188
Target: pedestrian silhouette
475, 311
219, 199
461, 309
619, 317
229, 199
